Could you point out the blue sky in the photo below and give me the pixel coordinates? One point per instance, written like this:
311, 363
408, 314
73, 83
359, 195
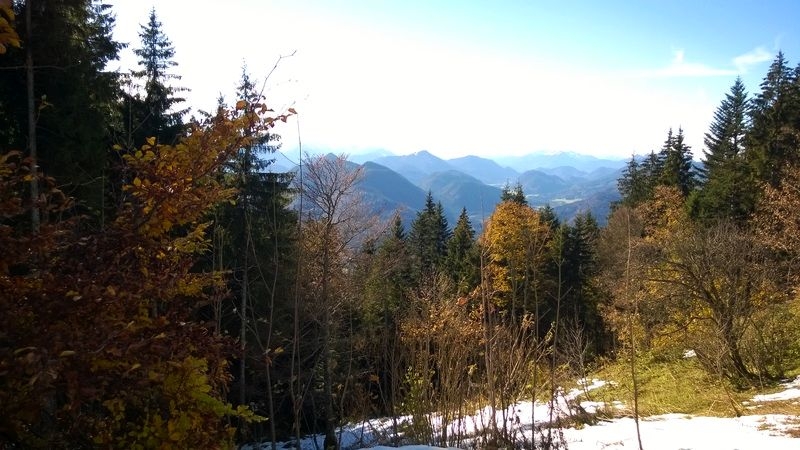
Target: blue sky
607, 78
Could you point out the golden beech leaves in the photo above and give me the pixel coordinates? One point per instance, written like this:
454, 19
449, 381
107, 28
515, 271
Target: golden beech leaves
777, 219
8, 36
515, 238
99, 341
664, 214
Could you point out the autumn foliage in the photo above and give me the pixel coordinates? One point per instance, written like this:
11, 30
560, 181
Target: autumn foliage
100, 342
8, 35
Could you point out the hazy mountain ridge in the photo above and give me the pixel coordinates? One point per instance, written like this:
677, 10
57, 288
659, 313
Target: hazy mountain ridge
386, 192
486, 170
415, 166
457, 190
568, 182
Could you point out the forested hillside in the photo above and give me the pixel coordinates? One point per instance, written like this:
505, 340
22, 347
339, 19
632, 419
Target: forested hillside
161, 286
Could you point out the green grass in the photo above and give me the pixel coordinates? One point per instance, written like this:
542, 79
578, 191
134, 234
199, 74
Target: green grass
676, 386
681, 386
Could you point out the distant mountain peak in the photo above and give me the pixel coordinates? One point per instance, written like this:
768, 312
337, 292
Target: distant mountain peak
424, 155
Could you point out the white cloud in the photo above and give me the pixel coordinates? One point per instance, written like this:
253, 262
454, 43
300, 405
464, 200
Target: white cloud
358, 86
679, 68
756, 56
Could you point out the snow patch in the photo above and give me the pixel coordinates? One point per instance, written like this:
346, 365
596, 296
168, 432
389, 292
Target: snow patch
791, 391
663, 432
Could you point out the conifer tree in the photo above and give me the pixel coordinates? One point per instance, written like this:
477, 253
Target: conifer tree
155, 114
630, 185
652, 165
772, 141
513, 193
72, 96
580, 303
385, 297
428, 237
676, 164
462, 257
548, 216
639, 178
727, 189
725, 139
259, 230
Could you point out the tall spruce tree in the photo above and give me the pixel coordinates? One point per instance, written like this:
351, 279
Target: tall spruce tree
461, 262
580, 267
727, 187
772, 141
548, 216
258, 252
155, 113
428, 238
72, 96
385, 299
631, 185
513, 193
639, 178
676, 164
725, 138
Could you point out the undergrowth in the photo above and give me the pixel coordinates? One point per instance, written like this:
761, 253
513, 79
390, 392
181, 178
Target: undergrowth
682, 386
667, 386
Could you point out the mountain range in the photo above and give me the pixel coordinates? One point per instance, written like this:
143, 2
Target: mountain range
570, 183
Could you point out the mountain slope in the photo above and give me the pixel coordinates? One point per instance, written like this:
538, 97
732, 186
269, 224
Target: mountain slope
416, 166
457, 190
386, 191
484, 169
584, 163
542, 185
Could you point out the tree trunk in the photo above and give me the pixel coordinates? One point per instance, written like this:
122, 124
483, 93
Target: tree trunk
331, 442
32, 151
243, 331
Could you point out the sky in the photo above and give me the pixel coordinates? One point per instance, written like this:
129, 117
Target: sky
487, 78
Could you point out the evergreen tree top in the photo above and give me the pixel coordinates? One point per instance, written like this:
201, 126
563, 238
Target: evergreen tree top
775, 84
513, 194
725, 138
156, 53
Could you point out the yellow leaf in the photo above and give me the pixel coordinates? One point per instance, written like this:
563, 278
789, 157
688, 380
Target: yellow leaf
66, 353
151, 141
137, 182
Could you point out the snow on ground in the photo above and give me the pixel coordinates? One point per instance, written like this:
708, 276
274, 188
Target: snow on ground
791, 391
677, 431
664, 432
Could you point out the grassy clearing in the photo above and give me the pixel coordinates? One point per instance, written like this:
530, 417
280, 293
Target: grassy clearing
681, 386
677, 386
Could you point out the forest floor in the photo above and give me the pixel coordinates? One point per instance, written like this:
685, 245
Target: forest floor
679, 409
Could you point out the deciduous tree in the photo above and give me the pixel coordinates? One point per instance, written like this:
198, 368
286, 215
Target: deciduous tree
107, 350
334, 220
515, 239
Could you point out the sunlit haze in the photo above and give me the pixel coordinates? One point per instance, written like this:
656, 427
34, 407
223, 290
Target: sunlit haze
484, 78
